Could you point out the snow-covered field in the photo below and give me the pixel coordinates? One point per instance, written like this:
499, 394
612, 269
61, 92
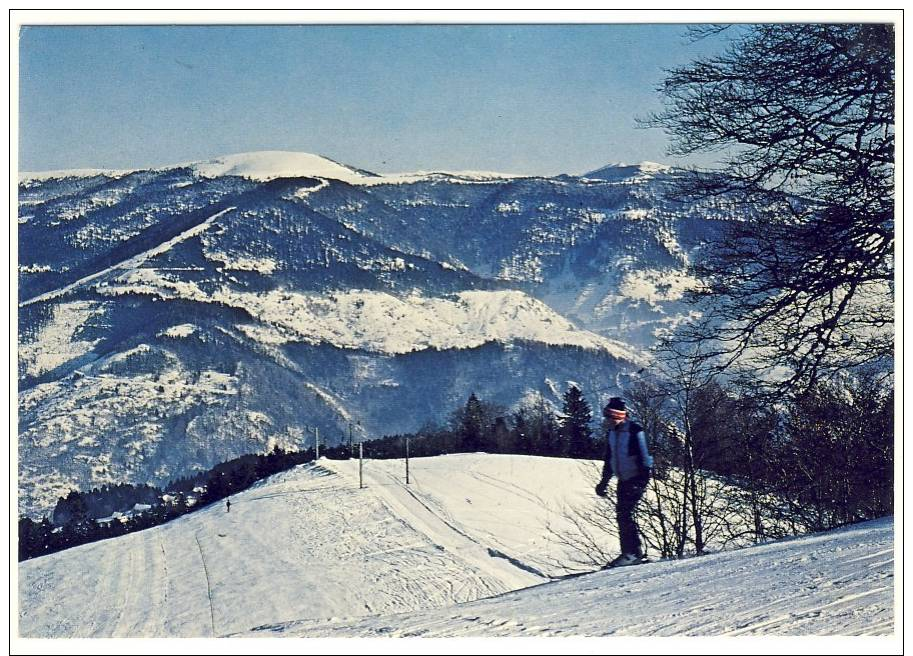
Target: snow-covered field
462, 551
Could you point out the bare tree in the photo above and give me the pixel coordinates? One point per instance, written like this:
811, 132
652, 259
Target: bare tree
803, 116
837, 464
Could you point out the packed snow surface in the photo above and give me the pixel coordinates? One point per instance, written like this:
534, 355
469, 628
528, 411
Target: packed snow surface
838, 583
464, 550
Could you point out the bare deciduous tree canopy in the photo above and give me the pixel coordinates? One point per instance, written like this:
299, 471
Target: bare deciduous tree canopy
804, 117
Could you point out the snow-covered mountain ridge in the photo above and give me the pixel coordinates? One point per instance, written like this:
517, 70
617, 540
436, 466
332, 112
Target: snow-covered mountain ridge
268, 165
322, 295
467, 549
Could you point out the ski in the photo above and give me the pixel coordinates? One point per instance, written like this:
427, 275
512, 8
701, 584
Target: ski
605, 567
638, 561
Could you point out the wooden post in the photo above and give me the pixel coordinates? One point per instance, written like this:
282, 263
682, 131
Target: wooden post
316, 443
407, 460
361, 455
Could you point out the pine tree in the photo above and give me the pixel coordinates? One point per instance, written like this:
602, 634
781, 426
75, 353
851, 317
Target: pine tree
575, 424
472, 424
521, 436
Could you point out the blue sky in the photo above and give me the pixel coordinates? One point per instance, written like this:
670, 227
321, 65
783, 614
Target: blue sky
533, 99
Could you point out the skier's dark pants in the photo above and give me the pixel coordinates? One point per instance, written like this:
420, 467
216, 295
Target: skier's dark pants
629, 493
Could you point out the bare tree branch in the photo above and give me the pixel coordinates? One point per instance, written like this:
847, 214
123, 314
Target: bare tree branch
804, 283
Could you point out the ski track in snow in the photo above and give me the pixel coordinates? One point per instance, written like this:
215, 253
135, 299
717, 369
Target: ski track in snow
308, 553
307, 544
410, 506
767, 590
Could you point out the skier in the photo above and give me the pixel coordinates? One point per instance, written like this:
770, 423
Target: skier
629, 460
227, 506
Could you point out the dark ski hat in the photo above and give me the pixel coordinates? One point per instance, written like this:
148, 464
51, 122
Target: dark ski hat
616, 409
616, 403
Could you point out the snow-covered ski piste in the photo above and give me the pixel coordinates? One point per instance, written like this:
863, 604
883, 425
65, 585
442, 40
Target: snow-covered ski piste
467, 549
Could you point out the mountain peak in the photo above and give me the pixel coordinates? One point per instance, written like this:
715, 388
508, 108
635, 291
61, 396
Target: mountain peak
270, 164
622, 170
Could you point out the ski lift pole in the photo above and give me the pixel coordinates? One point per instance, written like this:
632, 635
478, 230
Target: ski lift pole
316, 443
361, 456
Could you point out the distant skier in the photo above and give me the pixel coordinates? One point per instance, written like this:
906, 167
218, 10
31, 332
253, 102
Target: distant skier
628, 458
227, 506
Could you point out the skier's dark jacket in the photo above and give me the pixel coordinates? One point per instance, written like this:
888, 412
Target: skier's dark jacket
626, 454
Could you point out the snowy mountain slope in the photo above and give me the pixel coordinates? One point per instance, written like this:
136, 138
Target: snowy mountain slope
71, 228
271, 164
131, 262
622, 171
378, 321
183, 397
610, 254
322, 294
511, 505
308, 553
